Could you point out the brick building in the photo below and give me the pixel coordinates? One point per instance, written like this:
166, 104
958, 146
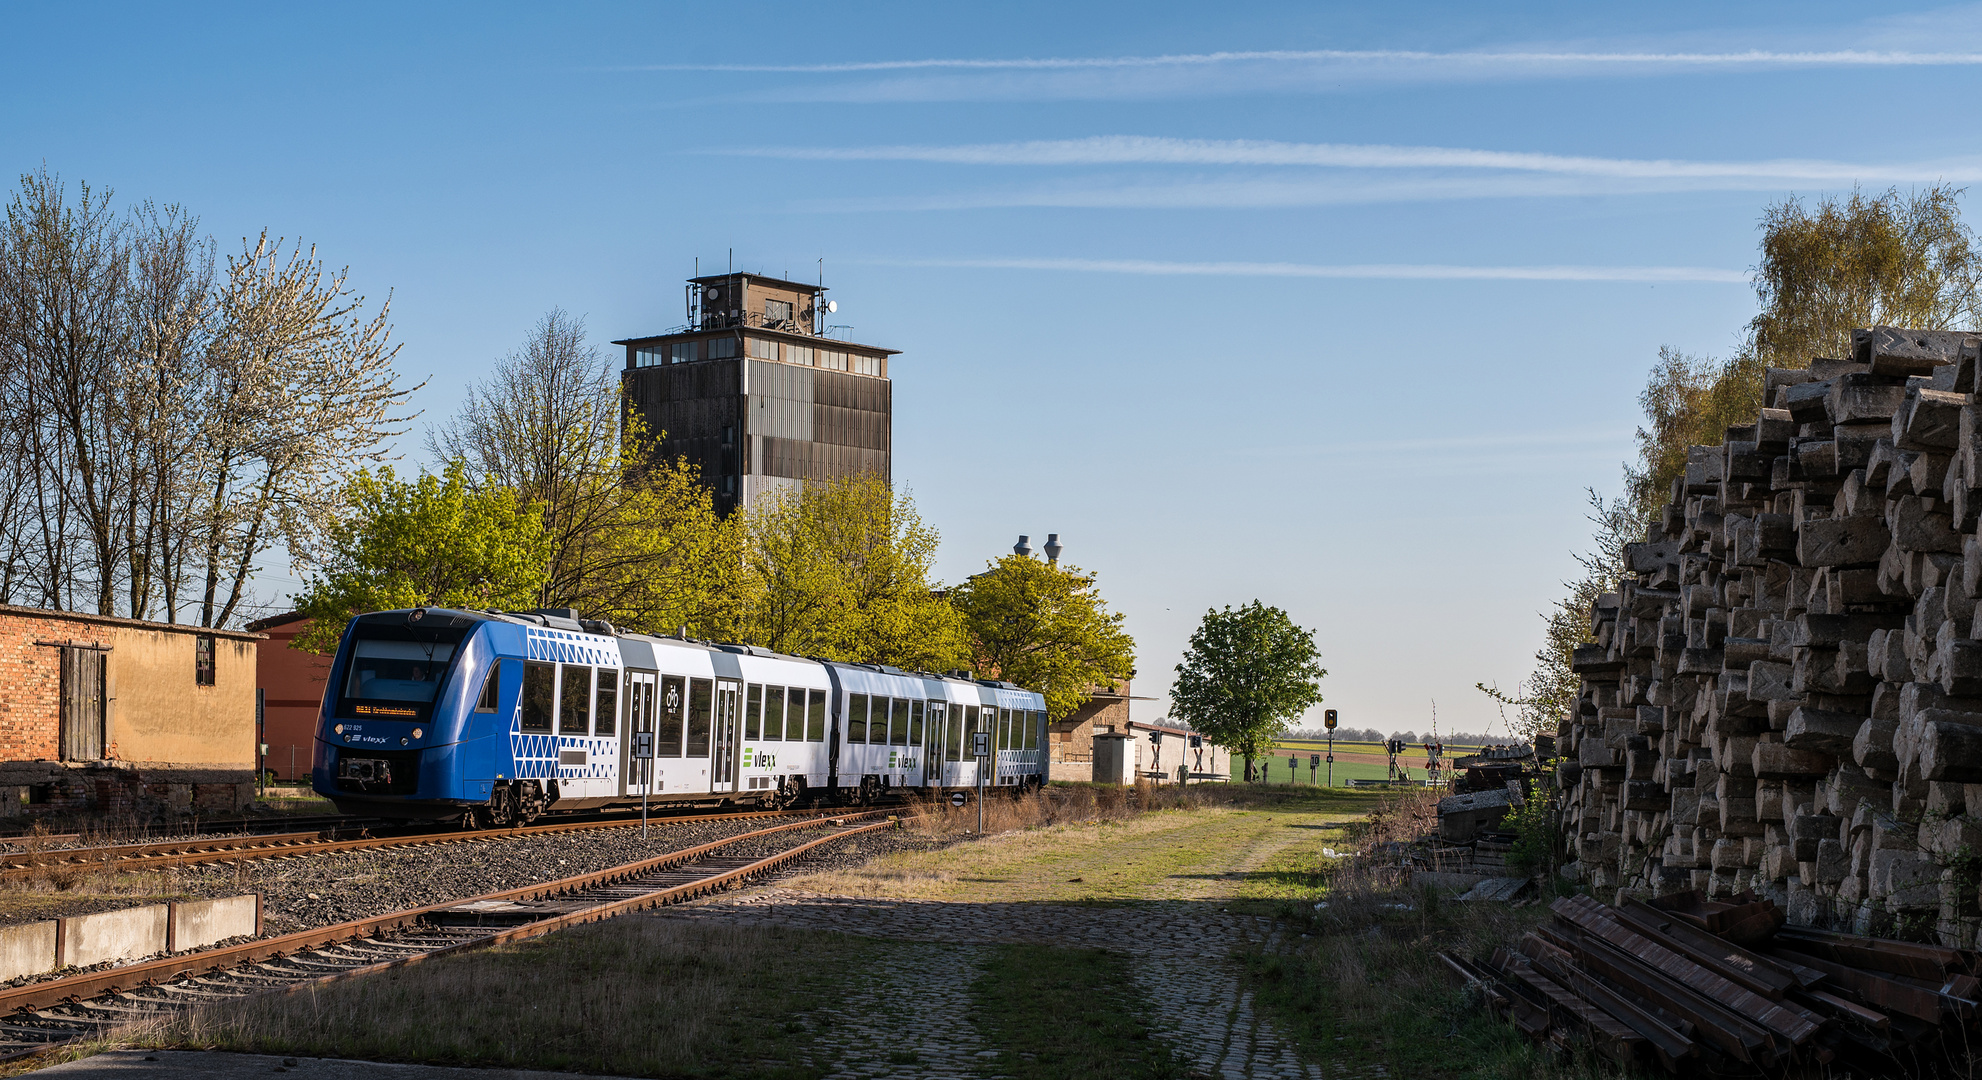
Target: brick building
1153, 751
123, 717
292, 683
1070, 740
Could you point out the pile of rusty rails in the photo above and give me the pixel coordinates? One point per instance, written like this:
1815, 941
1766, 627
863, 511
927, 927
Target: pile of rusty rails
31, 865
42, 1016
1723, 986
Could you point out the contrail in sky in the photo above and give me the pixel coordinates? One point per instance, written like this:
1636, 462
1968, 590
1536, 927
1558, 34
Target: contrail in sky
1751, 57
1153, 150
1368, 271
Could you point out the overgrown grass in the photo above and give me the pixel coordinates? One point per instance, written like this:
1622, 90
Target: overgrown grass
1356, 978
636, 996
1067, 1014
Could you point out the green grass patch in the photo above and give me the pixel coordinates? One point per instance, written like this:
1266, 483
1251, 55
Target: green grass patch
1067, 1014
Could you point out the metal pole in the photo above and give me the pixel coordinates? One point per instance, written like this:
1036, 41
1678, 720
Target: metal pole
646, 785
1331, 758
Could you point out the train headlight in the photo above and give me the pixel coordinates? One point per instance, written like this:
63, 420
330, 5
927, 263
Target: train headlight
417, 733
339, 729
403, 742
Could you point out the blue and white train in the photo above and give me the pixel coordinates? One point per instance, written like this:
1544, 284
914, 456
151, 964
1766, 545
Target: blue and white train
495, 718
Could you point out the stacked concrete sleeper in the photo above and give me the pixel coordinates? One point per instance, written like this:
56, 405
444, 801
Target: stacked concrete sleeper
1784, 694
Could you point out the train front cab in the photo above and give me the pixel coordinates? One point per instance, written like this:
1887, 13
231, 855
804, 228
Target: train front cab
390, 734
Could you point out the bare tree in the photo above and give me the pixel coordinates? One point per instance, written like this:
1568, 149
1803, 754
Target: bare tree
633, 539
163, 426
298, 392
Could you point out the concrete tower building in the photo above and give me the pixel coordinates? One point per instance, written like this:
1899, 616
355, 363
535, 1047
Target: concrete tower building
754, 392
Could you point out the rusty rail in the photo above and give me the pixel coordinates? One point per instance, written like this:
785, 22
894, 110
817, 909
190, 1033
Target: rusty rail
20, 866
79, 987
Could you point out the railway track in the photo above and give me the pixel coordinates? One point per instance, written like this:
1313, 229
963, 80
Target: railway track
27, 865
41, 1016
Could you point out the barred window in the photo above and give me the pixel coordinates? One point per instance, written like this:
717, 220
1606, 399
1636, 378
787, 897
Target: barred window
203, 660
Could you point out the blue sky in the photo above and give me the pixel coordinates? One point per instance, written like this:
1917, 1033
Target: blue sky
1337, 307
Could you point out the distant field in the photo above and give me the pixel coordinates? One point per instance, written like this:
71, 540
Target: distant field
1345, 770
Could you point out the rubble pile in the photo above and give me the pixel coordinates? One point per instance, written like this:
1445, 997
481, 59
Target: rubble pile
1784, 695
1689, 983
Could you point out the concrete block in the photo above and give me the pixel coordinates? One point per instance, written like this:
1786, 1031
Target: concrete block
28, 949
1446, 882
113, 935
199, 923
1461, 817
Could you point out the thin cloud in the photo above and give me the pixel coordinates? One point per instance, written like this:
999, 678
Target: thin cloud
1242, 192
1153, 150
1745, 58
1363, 271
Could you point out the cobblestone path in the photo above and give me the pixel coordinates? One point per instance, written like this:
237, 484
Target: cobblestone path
1182, 963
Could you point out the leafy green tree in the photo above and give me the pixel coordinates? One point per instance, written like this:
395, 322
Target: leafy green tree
634, 538
1044, 628
840, 570
436, 541
1248, 674
1888, 260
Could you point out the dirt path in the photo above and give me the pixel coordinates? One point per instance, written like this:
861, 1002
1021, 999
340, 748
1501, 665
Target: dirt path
1157, 888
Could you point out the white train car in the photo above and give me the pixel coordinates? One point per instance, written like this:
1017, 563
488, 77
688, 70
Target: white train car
498, 717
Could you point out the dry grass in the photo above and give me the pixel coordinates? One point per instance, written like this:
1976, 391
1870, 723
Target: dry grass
1361, 981
76, 888
636, 996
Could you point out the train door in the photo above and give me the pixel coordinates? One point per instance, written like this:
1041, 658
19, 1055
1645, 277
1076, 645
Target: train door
934, 724
723, 759
636, 774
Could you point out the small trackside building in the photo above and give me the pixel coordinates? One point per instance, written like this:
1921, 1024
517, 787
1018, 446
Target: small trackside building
123, 718
292, 683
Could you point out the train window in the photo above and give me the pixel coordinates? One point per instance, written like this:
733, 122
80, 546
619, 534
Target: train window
954, 750
674, 694
898, 726
701, 716
877, 723
605, 708
774, 713
795, 714
574, 699
1005, 729
539, 695
915, 723
753, 714
387, 670
1029, 732
856, 718
815, 718
491, 689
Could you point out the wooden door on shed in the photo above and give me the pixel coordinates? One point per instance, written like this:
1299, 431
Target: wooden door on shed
82, 703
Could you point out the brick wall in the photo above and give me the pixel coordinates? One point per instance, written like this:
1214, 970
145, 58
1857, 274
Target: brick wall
31, 684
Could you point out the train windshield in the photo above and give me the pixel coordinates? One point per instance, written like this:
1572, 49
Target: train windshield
395, 671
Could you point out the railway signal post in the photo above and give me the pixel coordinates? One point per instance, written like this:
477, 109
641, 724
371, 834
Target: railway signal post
1328, 719
643, 752
980, 748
